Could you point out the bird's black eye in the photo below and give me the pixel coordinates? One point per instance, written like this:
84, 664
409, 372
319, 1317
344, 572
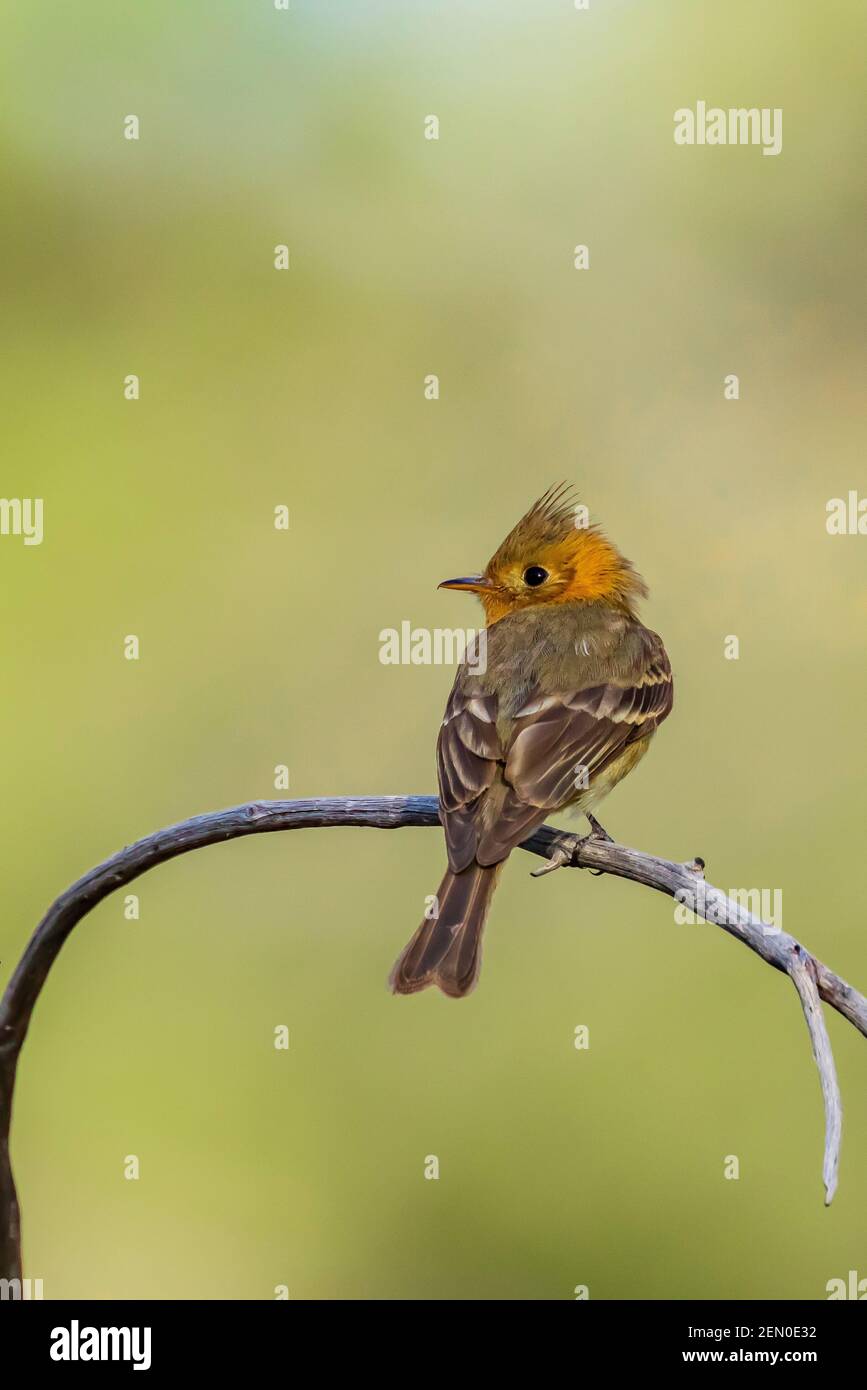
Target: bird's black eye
534, 576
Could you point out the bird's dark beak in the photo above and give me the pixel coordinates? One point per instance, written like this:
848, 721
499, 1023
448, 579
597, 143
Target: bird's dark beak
472, 582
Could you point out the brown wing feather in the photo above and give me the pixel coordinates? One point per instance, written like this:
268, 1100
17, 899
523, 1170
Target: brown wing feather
469, 753
494, 790
562, 733
562, 736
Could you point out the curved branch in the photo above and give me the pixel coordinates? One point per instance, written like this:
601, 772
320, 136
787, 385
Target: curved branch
803, 977
682, 881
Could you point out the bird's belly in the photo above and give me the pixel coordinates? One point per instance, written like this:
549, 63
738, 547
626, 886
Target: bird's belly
614, 772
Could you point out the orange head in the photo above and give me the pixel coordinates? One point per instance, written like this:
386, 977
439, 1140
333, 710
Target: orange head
553, 556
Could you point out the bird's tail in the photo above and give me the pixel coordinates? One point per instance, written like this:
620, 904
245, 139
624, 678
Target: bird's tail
446, 949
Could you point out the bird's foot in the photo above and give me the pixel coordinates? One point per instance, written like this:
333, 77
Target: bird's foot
563, 853
568, 847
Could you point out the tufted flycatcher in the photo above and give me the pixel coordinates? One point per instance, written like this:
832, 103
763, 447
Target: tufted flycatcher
571, 691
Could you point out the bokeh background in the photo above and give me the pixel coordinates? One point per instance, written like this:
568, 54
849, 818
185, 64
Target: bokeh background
260, 647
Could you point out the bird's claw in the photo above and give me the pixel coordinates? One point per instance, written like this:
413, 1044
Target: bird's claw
597, 831
567, 848
562, 854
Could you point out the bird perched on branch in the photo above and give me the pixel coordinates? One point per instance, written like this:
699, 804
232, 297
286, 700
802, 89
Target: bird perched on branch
558, 702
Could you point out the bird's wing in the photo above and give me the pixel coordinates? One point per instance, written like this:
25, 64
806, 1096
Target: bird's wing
557, 743
561, 743
469, 752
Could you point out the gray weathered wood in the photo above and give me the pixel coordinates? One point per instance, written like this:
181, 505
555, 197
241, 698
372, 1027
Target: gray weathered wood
388, 813
803, 975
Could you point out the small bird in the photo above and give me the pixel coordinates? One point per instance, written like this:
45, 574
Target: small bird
565, 702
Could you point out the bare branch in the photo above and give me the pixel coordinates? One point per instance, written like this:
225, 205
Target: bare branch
682, 881
803, 974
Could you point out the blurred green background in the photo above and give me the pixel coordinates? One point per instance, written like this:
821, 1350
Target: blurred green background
260, 647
